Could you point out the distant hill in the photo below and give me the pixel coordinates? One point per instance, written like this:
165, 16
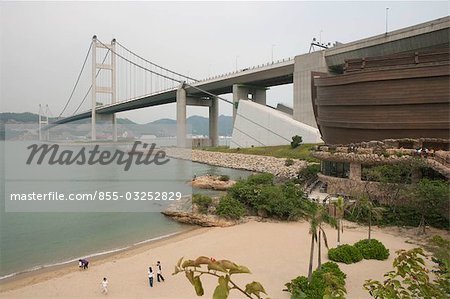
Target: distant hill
199, 125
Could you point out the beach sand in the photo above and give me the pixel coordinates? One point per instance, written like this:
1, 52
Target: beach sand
274, 252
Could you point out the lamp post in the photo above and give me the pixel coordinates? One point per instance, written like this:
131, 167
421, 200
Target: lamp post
387, 13
272, 51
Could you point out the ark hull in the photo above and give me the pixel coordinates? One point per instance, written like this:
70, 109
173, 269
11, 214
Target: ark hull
401, 96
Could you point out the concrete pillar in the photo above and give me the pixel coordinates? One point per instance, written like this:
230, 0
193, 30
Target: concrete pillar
240, 92
113, 87
355, 172
213, 122
304, 65
259, 95
181, 117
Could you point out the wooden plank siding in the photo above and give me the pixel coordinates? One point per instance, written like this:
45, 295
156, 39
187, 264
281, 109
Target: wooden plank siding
410, 99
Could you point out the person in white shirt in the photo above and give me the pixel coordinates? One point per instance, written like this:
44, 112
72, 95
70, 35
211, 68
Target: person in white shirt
158, 272
104, 286
150, 276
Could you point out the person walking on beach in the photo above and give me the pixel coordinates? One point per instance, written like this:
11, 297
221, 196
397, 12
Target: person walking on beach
104, 286
158, 272
150, 276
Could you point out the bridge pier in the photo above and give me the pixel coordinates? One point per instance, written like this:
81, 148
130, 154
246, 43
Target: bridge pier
256, 94
183, 100
213, 122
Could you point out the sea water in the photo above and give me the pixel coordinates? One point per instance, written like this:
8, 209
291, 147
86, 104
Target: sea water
30, 241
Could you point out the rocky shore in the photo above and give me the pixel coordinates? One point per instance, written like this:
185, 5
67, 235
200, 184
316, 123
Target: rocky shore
276, 166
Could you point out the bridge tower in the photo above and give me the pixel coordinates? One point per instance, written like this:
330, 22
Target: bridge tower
111, 89
43, 120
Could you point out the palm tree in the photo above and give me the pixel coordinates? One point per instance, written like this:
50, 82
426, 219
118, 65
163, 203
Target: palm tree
364, 205
339, 214
317, 217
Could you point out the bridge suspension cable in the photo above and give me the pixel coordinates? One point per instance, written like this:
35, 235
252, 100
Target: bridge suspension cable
140, 66
78, 80
90, 87
154, 64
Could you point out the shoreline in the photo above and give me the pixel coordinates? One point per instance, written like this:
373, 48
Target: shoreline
258, 241
46, 272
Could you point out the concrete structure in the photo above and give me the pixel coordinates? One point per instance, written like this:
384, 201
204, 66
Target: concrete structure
258, 125
256, 80
111, 89
182, 102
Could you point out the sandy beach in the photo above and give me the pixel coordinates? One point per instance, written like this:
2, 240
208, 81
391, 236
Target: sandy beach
274, 252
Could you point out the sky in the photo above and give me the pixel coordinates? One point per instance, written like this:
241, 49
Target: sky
43, 44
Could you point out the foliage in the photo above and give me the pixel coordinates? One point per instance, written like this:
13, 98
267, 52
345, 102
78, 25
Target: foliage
347, 254
400, 216
431, 196
440, 248
328, 282
223, 270
263, 197
302, 152
409, 279
202, 201
364, 205
230, 208
288, 162
317, 216
372, 249
224, 178
389, 173
308, 173
296, 141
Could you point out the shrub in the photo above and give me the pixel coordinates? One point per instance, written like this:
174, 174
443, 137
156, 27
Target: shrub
202, 201
288, 162
347, 254
224, 178
372, 249
329, 280
296, 141
230, 208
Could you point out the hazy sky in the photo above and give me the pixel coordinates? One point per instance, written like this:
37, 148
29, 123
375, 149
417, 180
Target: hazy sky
43, 44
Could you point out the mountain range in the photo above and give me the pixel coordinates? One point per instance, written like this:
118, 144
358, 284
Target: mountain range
198, 125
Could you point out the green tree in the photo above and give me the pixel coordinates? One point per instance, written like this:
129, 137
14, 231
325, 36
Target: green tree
317, 217
340, 209
409, 279
223, 270
364, 205
430, 196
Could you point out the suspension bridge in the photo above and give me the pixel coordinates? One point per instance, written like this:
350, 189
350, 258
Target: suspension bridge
122, 80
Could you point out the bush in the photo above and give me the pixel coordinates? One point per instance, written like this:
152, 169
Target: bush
288, 162
224, 178
401, 216
320, 285
202, 201
347, 254
372, 249
296, 141
230, 208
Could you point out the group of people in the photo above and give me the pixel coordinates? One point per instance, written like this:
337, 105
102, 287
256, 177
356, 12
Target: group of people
159, 276
84, 264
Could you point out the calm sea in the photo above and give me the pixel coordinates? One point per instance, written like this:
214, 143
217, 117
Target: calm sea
34, 240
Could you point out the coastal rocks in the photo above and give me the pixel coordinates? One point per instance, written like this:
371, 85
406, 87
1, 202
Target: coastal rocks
182, 212
212, 182
275, 166
199, 219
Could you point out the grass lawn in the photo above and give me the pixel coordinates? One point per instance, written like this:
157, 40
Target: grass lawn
280, 151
